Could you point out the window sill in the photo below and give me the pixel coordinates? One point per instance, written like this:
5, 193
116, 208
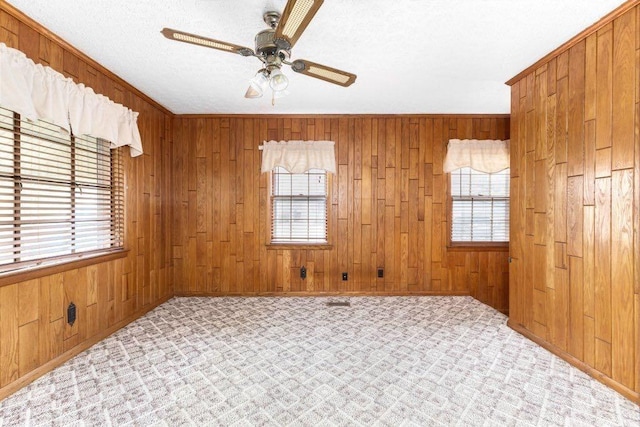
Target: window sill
59, 266
479, 247
306, 246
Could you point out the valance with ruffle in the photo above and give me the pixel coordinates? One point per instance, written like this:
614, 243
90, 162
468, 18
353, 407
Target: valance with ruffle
38, 92
484, 155
299, 156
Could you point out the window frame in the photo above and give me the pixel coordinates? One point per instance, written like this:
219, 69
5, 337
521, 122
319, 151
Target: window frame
300, 245
471, 245
21, 270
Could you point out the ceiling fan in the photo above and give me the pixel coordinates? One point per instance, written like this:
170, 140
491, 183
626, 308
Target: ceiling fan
273, 48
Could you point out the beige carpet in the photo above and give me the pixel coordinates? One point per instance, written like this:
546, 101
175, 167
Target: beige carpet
295, 361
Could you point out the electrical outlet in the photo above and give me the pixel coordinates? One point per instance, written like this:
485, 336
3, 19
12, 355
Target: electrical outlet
303, 272
71, 314
380, 272
345, 276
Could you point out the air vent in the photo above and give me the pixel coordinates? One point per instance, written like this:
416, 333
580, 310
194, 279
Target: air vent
338, 304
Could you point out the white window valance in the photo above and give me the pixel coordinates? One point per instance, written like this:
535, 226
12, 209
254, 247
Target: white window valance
486, 155
299, 156
37, 92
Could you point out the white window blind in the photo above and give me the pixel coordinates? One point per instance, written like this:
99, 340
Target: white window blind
60, 195
299, 206
480, 206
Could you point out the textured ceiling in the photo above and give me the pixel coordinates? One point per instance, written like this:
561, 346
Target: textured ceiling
411, 56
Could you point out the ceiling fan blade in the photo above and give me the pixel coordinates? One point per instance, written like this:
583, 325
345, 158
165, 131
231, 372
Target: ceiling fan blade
206, 42
296, 16
322, 72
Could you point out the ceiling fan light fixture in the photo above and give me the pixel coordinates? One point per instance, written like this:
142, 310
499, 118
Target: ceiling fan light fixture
277, 80
252, 93
260, 81
257, 85
280, 93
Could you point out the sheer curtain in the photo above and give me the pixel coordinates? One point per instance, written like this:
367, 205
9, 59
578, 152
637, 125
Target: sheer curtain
486, 155
37, 92
299, 156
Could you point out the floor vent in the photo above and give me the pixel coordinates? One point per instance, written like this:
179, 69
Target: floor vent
338, 304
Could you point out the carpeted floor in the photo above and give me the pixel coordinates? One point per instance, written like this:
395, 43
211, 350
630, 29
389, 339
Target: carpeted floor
295, 361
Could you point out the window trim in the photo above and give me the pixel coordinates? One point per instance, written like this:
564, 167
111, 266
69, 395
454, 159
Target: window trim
55, 266
470, 246
302, 245
477, 246
294, 246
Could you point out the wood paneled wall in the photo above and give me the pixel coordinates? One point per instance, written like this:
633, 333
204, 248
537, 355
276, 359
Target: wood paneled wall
388, 208
34, 335
575, 194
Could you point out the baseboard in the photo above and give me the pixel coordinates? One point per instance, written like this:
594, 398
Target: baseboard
609, 382
54, 363
317, 294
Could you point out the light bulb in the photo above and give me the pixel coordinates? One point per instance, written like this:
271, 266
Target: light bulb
252, 93
257, 85
278, 81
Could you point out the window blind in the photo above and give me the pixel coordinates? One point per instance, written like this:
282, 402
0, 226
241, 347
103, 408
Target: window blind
60, 195
480, 206
299, 206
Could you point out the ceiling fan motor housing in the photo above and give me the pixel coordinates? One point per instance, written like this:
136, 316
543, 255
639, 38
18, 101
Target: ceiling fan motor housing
264, 42
267, 48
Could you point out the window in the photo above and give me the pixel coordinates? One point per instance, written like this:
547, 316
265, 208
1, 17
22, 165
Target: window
298, 206
480, 206
60, 195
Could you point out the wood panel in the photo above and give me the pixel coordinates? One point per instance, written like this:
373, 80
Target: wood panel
388, 209
590, 311
33, 328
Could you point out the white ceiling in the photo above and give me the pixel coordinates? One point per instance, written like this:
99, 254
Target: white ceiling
411, 56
